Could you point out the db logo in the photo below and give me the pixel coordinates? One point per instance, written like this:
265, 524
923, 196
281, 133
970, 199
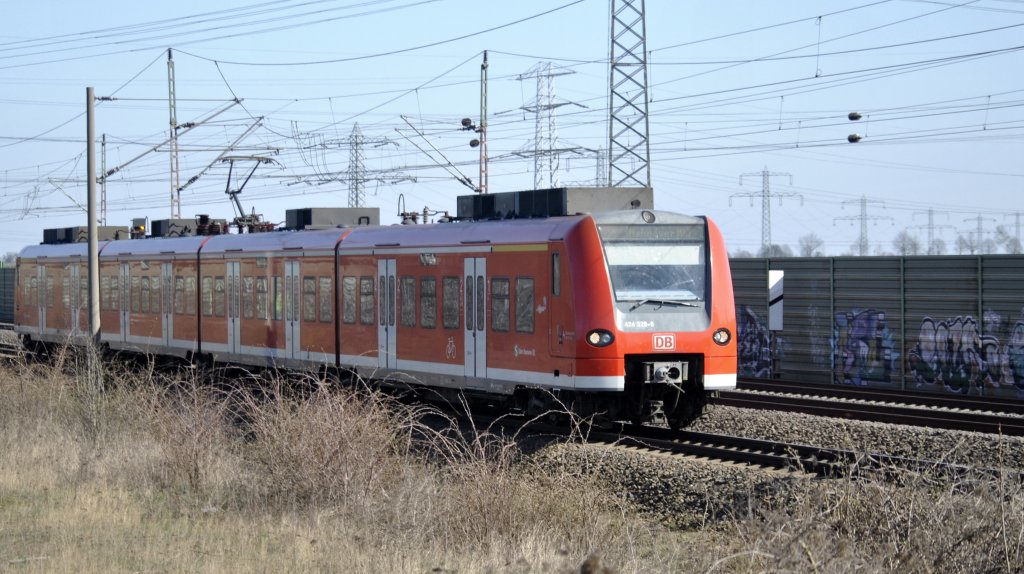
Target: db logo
664, 342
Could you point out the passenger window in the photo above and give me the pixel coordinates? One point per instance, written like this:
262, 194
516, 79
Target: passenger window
556, 274
382, 289
408, 296
326, 293
248, 295
142, 293
49, 292
83, 287
348, 300
450, 302
278, 298
190, 295
218, 296
105, 293
115, 293
499, 304
156, 294
469, 302
261, 298
391, 300
179, 295
135, 295
66, 292
309, 299
208, 296
366, 300
428, 302
481, 300
524, 305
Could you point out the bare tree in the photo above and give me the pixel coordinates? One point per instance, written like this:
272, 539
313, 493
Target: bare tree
906, 244
741, 253
1009, 242
938, 247
9, 259
775, 250
810, 245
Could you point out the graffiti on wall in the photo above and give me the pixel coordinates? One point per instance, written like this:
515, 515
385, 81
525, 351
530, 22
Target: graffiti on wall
953, 355
863, 348
753, 344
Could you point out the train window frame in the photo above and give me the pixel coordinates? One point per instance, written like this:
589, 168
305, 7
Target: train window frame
500, 304
219, 296
349, 299
450, 300
428, 302
525, 291
261, 299
407, 301
309, 298
248, 297
326, 291
366, 301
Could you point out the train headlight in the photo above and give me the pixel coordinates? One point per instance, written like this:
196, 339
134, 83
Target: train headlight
600, 338
722, 336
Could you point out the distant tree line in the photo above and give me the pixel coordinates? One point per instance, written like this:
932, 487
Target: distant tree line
811, 245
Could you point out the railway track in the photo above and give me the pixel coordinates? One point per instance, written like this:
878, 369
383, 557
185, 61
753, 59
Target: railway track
812, 460
978, 414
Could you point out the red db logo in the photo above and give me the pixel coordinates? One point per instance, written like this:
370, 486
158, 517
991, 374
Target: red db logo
664, 342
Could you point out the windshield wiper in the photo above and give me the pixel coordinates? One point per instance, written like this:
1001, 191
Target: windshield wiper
662, 302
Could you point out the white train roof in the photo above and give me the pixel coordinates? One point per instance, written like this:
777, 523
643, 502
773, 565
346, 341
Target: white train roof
58, 251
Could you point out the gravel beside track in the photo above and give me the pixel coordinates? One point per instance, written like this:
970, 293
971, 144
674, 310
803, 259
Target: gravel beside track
682, 492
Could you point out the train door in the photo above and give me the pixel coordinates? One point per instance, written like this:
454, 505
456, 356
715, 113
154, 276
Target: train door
126, 298
387, 348
74, 298
167, 300
42, 296
476, 315
292, 310
234, 322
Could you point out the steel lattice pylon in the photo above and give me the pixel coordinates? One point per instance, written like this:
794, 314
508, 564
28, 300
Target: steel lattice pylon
629, 150
356, 167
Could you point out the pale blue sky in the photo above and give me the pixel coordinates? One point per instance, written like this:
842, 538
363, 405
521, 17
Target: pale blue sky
735, 86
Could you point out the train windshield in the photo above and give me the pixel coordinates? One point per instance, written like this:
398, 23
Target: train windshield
657, 263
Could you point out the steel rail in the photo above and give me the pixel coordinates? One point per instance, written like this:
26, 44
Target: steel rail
894, 413
920, 398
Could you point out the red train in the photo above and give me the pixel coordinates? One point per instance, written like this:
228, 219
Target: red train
625, 314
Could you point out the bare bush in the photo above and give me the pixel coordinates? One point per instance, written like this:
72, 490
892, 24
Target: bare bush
962, 525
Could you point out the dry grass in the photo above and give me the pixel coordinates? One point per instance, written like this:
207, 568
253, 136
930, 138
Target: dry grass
160, 473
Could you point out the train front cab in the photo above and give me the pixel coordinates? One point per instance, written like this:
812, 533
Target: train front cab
655, 314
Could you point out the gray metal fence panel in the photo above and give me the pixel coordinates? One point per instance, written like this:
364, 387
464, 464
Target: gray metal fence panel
945, 324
